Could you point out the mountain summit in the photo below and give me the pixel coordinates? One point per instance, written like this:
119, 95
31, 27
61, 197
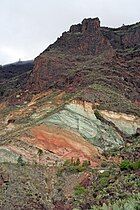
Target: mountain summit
70, 123
83, 39
90, 54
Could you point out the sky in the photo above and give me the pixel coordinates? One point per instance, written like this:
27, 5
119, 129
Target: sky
29, 26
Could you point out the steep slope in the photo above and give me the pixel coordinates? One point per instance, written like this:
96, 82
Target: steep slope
70, 127
13, 77
89, 54
124, 38
74, 85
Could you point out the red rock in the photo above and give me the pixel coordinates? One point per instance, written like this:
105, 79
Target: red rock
65, 144
62, 64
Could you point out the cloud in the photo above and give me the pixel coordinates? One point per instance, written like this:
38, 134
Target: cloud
11, 54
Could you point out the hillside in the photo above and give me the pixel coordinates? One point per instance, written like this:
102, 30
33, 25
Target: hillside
13, 76
70, 123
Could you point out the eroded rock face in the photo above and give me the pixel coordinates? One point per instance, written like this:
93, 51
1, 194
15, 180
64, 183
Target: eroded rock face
88, 54
124, 37
65, 143
57, 65
128, 124
87, 26
85, 38
93, 64
79, 116
63, 129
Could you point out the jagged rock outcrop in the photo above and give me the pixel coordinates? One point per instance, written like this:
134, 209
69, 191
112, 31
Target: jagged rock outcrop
90, 54
86, 112
124, 37
85, 38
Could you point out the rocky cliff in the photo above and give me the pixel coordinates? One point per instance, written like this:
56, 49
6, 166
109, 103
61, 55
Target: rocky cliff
72, 138
85, 83
88, 55
84, 39
125, 38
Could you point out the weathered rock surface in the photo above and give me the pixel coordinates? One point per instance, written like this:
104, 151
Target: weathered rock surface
128, 124
85, 38
81, 99
125, 37
90, 54
99, 68
65, 143
79, 116
62, 128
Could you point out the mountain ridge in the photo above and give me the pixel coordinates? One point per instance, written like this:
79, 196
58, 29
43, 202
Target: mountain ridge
70, 125
80, 59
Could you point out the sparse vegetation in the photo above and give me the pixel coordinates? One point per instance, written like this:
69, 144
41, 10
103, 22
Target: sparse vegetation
80, 190
20, 161
68, 74
128, 165
40, 153
131, 203
73, 166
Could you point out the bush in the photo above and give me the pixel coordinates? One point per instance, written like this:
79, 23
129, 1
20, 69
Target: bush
105, 174
86, 163
104, 164
135, 165
20, 161
79, 190
76, 168
131, 203
126, 165
77, 162
67, 163
104, 181
40, 152
73, 166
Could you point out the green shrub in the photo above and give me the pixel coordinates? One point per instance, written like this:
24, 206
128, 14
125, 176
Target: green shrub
73, 166
79, 190
104, 181
77, 162
76, 168
40, 152
126, 165
67, 163
105, 174
131, 203
97, 114
20, 161
86, 163
135, 165
104, 164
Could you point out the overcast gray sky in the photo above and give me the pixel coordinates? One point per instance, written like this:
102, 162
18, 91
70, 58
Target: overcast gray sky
29, 26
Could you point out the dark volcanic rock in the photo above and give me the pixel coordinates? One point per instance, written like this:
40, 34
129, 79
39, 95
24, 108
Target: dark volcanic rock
89, 54
85, 38
125, 40
15, 69
13, 77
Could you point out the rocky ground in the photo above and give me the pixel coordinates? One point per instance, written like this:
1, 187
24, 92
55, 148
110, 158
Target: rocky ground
70, 125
